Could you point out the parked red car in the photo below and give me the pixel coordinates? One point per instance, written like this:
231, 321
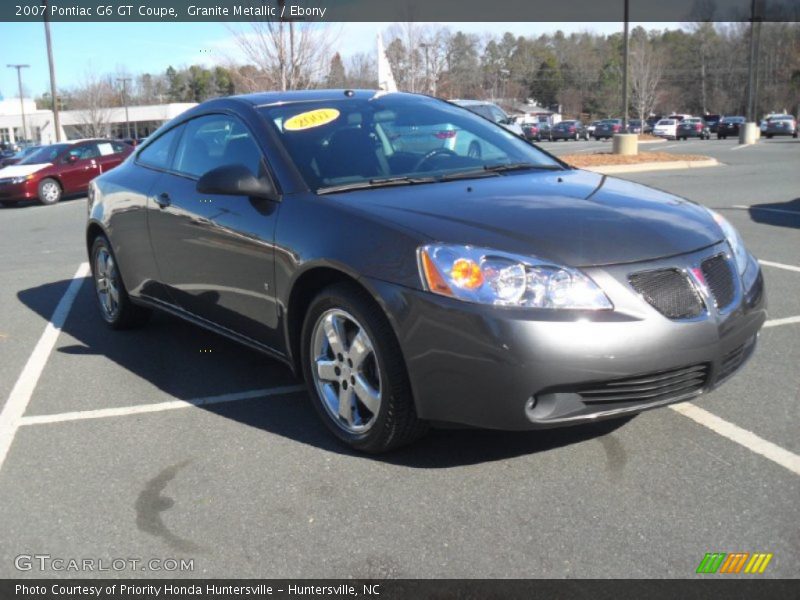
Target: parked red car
59, 169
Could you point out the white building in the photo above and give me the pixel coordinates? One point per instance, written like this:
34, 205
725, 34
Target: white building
76, 124
38, 123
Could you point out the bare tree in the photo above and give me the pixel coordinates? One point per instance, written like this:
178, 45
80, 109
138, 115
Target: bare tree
288, 55
93, 101
644, 72
362, 70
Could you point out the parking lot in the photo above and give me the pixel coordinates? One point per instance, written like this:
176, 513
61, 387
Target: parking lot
171, 442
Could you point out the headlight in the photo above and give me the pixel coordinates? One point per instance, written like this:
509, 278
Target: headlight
489, 277
734, 240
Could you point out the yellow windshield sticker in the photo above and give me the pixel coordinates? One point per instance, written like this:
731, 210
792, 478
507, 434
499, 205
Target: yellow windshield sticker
312, 118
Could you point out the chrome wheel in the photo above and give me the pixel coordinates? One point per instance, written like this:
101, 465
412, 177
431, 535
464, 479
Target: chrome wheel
345, 371
106, 280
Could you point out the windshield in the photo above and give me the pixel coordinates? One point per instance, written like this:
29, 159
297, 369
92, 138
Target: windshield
404, 139
46, 154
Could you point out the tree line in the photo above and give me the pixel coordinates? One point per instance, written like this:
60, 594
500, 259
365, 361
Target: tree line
700, 68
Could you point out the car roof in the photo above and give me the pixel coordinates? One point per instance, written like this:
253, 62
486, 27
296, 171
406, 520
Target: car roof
472, 102
271, 98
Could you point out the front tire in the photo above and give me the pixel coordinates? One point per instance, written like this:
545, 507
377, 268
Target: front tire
355, 372
113, 301
49, 191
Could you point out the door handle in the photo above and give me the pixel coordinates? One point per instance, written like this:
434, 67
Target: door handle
163, 200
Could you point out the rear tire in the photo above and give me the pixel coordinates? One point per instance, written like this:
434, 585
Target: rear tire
49, 191
347, 345
113, 301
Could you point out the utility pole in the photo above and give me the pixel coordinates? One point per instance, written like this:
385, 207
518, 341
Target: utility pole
625, 142
425, 47
625, 73
21, 99
124, 81
53, 92
749, 133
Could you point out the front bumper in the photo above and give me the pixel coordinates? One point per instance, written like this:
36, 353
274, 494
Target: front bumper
27, 190
516, 369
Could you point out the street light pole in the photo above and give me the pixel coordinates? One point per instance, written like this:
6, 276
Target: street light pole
51, 63
21, 98
125, 81
625, 142
625, 73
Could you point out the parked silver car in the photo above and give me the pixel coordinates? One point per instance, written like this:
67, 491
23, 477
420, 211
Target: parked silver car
491, 111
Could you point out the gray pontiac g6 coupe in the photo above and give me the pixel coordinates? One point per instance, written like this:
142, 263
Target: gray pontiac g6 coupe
418, 264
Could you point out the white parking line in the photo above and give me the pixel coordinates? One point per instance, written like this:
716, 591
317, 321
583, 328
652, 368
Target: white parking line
779, 265
21, 394
748, 439
139, 409
784, 321
775, 210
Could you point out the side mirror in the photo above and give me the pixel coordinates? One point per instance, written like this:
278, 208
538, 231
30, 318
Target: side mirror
235, 180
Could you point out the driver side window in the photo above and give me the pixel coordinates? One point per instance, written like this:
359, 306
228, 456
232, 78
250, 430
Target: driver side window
213, 141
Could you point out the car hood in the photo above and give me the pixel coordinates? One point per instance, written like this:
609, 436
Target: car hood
21, 170
571, 217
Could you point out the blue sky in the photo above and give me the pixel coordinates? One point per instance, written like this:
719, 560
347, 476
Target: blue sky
151, 47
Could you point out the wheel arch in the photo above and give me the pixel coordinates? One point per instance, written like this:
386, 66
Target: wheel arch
305, 288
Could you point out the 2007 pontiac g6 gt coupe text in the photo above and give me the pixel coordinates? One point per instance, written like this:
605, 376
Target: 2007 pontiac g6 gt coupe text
420, 264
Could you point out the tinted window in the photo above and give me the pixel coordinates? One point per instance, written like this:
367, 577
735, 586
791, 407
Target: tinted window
354, 140
157, 154
45, 155
83, 152
497, 115
213, 141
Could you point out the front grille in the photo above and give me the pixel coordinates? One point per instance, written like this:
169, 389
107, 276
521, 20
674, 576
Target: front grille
670, 292
719, 278
653, 387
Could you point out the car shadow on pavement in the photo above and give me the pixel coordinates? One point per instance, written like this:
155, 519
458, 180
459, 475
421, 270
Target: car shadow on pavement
187, 362
766, 213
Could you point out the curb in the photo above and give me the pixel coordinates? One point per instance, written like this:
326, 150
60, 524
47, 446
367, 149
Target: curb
653, 166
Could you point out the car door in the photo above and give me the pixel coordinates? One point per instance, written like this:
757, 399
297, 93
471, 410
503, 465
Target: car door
215, 253
78, 166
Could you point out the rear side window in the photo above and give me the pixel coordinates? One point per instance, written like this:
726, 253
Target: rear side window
84, 152
213, 141
157, 154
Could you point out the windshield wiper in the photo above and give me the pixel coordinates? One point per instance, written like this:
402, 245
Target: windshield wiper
520, 166
495, 170
374, 183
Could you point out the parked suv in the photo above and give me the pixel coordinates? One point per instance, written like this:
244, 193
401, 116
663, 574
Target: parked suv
53, 171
